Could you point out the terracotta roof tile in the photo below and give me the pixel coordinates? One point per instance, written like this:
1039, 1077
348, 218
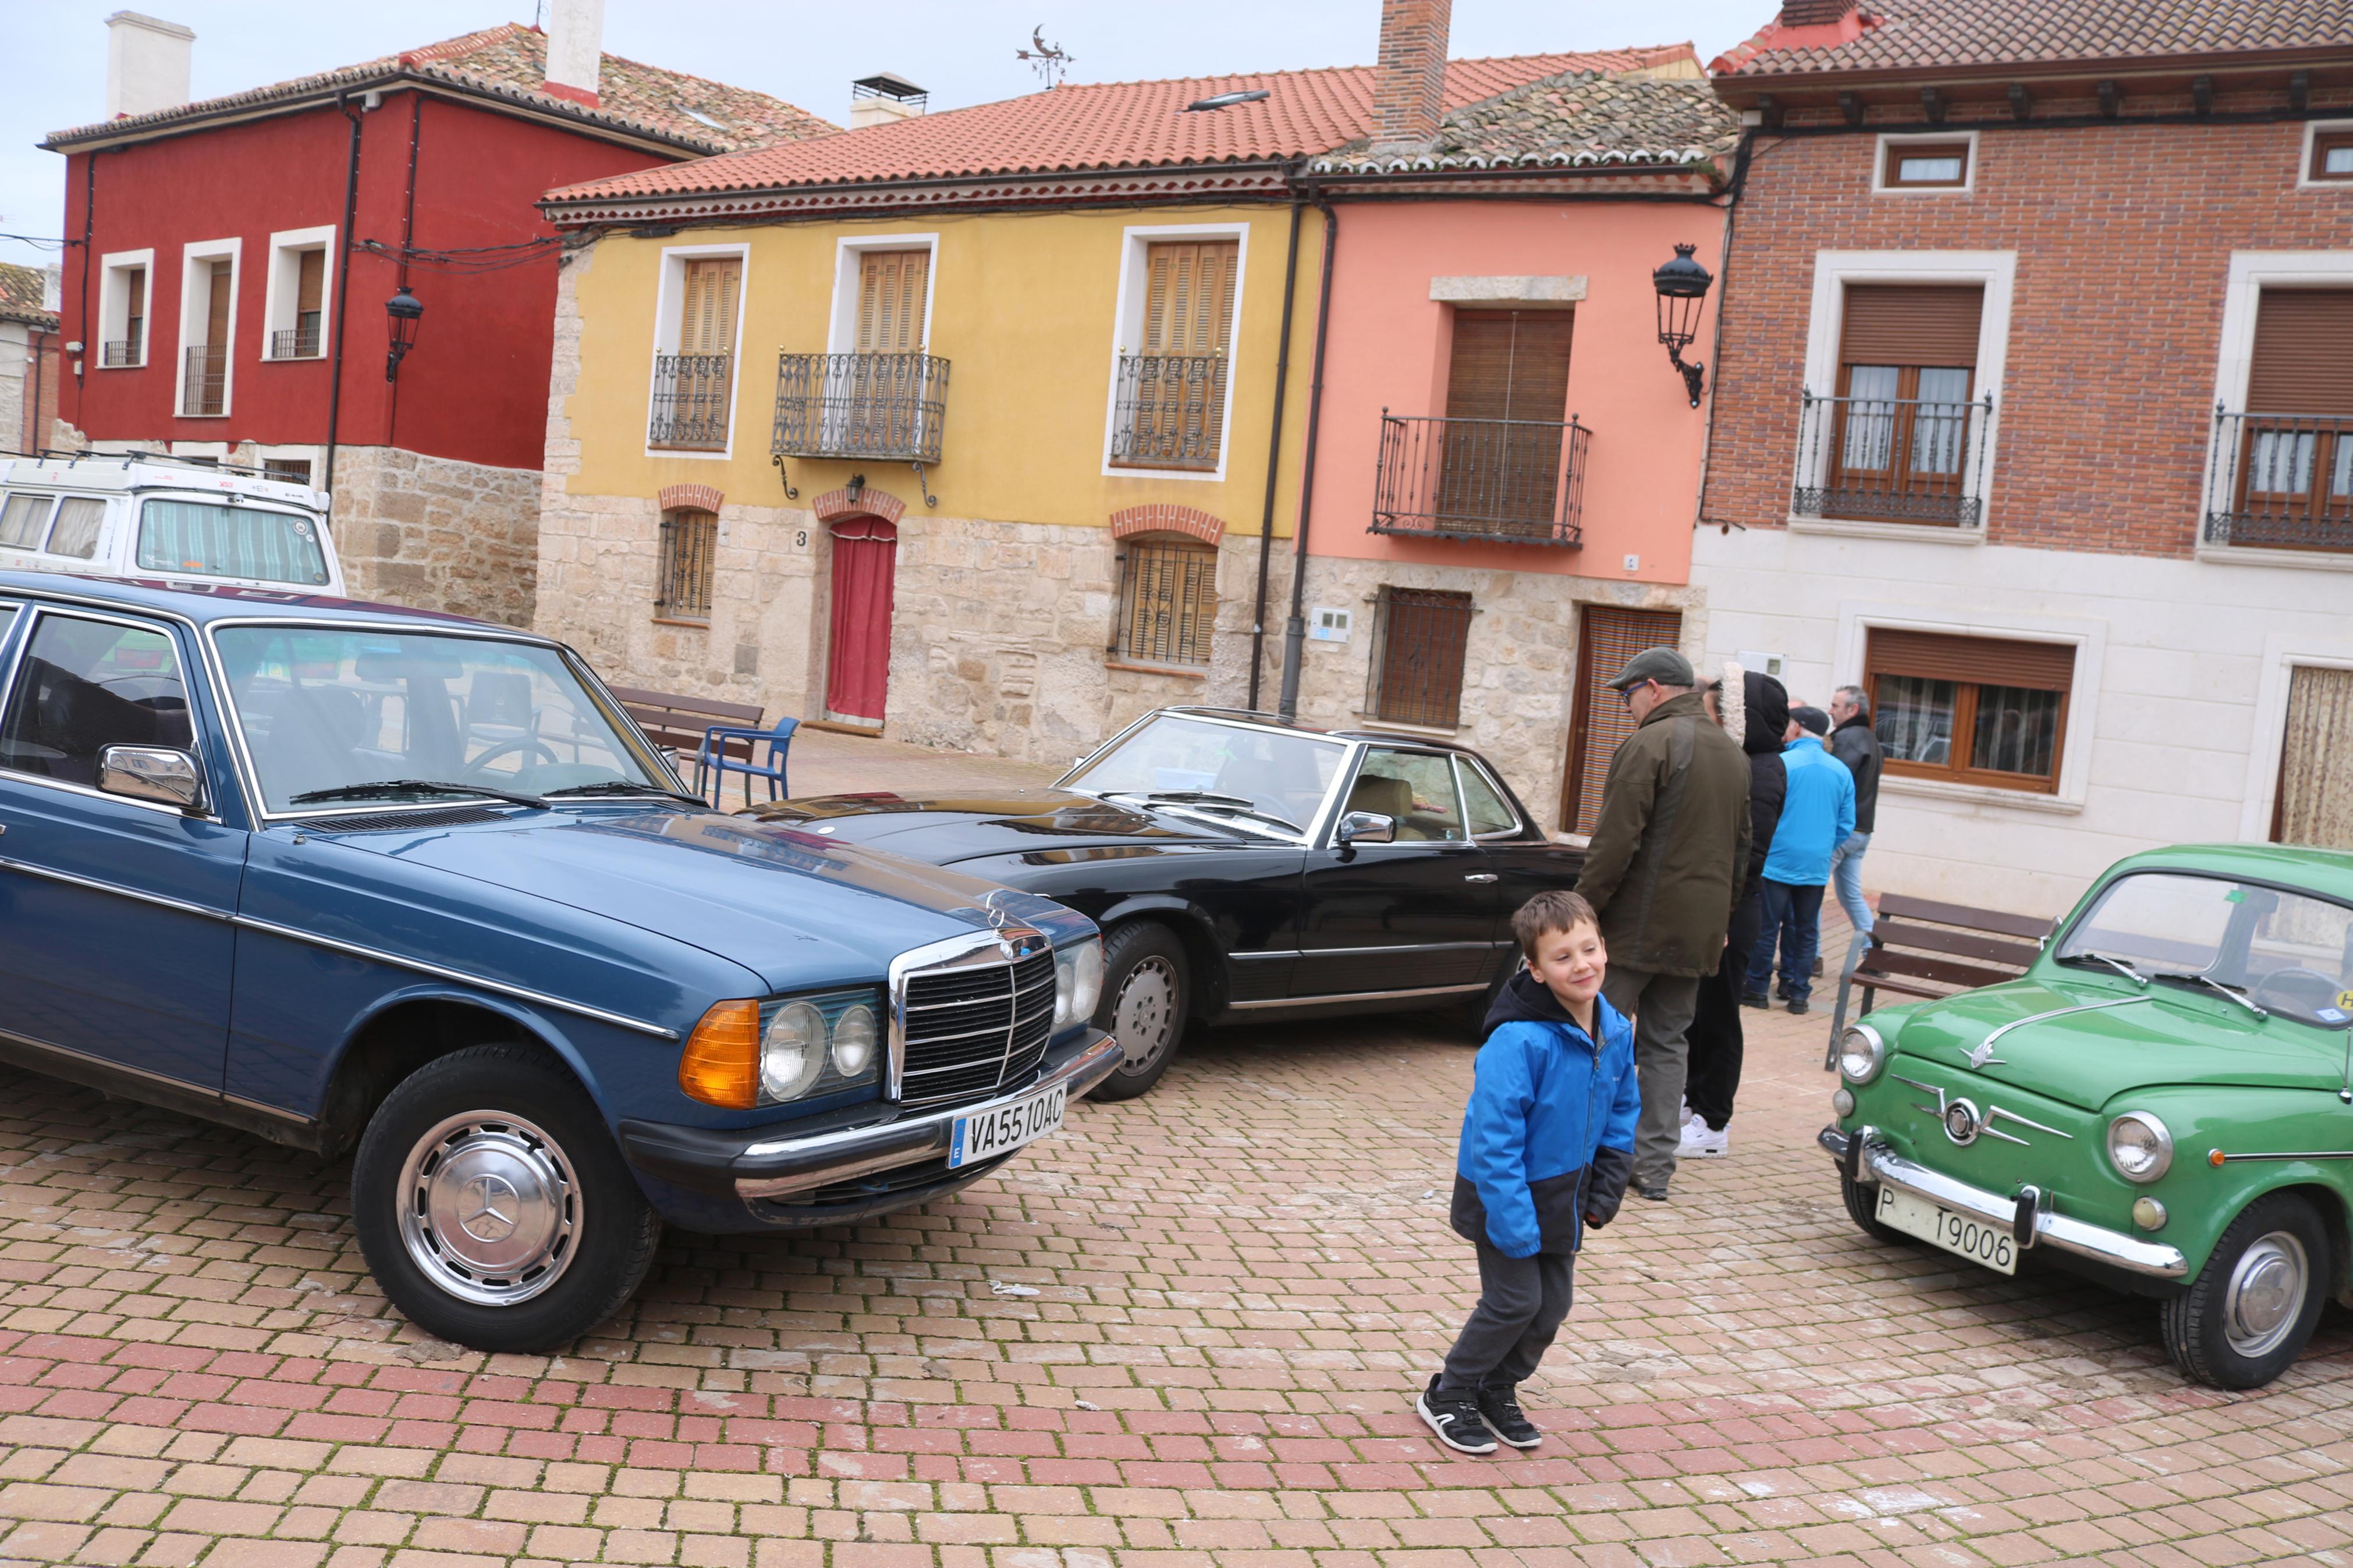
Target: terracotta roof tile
1897, 35
1103, 125
1578, 118
23, 290
510, 61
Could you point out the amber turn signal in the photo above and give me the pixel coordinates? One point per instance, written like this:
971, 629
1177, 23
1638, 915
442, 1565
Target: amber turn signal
2215, 1156
720, 1065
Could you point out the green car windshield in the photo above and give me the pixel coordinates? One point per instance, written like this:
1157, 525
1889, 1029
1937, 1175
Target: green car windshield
2289, 953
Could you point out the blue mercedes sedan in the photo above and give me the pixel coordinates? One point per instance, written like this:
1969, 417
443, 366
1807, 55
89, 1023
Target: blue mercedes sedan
415, 887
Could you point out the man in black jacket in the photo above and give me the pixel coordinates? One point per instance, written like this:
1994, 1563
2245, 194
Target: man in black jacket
1855, 743
1716, 1042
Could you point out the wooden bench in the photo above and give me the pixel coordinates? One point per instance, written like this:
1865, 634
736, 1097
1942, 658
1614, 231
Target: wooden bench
679, 723
1922, 948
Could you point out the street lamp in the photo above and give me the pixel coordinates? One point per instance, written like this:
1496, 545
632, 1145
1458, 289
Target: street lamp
1683, 286
402, 310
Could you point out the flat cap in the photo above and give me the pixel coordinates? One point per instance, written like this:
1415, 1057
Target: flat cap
1812, 721
1664, 665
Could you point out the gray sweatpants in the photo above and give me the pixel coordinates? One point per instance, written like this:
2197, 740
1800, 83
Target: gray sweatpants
1662, 1006
1522, 1301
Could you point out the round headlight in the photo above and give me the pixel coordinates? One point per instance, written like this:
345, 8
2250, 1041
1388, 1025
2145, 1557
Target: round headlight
792, 1052
1861, 1053
853, 1041
2140, 1147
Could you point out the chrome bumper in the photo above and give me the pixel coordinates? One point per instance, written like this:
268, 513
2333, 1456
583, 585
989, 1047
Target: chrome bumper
2033, 1222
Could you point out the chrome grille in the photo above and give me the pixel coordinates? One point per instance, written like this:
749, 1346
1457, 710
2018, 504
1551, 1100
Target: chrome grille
972, 1029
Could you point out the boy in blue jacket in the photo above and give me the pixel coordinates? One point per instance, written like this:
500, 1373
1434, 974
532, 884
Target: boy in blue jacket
1548, 1144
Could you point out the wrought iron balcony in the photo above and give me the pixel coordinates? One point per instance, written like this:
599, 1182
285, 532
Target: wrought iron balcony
885, 407
295, 342
120, 353
205, 387
1170, 411
1892, 460
2281, 481
1518, 481
692, 394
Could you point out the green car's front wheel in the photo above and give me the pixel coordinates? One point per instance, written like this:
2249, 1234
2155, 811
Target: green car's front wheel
2247, 1316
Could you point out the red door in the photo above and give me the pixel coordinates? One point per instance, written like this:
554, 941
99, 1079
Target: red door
857, 666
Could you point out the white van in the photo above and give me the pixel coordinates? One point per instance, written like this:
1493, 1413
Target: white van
154, 518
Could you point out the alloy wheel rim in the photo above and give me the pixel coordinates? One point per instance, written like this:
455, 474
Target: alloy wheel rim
2265, 1296
489, 1210
1144, 1016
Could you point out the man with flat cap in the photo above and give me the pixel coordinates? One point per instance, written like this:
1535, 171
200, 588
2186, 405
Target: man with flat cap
1665, 871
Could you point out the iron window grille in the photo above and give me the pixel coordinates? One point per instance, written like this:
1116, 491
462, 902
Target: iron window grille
1422, 635
122, 353
298, 341
1170, 411
1892, 460
1167, 602
890, 407
692, 394
206, 388
1521, 480
2281, 481
689, 550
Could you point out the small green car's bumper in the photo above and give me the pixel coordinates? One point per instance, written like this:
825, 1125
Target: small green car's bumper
1864, 1157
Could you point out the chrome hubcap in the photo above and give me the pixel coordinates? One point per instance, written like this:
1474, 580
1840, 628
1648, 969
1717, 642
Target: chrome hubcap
488, 1208
2265, 1296
1144, 1018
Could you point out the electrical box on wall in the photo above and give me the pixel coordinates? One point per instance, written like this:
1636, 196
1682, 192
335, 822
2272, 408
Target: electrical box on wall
1325, 625
1762, 663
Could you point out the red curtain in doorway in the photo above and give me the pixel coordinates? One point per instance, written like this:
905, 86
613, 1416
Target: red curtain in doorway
857, 666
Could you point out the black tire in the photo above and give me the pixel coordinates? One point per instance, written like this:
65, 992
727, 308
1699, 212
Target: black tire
2247, 1316
1863, 1207
1145, 971
529, 1133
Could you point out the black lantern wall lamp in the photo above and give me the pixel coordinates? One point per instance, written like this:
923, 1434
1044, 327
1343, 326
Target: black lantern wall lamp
1683, 286
401, 312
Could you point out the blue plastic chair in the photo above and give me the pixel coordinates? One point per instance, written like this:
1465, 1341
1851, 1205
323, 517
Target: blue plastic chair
712, 765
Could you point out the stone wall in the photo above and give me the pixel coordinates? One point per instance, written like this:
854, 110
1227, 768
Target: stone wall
437, 535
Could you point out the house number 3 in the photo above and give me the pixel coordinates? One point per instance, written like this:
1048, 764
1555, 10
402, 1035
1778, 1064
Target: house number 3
800, 538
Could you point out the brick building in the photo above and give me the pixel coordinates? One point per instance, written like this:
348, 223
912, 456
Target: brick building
29, 356
2035, 419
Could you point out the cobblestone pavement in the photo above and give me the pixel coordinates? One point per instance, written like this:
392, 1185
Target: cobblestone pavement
1185, 1332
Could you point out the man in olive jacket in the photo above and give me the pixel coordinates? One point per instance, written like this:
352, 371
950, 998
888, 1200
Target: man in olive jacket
1664, 870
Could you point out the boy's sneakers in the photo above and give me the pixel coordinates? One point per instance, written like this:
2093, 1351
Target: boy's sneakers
1455, 1419
1699, 1142
1501, 1408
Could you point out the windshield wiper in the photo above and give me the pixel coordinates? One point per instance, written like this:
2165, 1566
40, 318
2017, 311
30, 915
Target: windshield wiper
2220, 987
623, 787
2119, 965
1282, 822
414, 786
1205, 799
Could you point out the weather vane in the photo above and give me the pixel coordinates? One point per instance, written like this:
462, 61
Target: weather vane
1048, 60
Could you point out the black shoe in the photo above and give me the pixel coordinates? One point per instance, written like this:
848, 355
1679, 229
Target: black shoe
1657, 1194
1501, 1409
1455, 1419
1755, 999
1799, 1008
1780, 990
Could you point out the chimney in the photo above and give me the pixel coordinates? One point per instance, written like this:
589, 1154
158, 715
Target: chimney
575, 49
146, 64
883, 97
1814, 13
1409, 84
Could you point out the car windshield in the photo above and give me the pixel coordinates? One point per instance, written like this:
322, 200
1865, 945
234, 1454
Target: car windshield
205, 539
337, 716
2289, 953
1280, 774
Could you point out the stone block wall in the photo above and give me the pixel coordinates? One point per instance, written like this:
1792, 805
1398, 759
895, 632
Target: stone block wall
437, 535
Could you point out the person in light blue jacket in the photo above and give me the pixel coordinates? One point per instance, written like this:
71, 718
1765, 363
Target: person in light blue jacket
1817, 816
1547, 1146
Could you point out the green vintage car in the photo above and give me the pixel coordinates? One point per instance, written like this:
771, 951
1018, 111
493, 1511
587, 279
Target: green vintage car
2163, 1100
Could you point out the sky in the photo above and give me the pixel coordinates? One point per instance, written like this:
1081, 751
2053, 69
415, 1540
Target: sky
962, 50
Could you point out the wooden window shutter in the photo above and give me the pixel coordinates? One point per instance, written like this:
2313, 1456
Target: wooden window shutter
216, 317
890, 294
1188, 303
1607, 639
2304, 352
1509, 365
707, 319
1907, 324
310, 279
1986, 661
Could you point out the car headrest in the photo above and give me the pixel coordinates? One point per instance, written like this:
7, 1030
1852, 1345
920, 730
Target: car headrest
1378, 791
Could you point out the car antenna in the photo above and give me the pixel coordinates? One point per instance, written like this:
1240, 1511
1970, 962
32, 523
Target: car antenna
2345, 1084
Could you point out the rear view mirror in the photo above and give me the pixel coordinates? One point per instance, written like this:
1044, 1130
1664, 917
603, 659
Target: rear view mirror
1367, 827
155, 773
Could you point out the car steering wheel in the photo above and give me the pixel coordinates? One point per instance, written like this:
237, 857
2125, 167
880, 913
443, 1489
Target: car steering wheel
522, 743
2321, 986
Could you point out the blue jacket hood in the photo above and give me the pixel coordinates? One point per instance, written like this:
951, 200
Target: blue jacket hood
1548, 1135
1817, 813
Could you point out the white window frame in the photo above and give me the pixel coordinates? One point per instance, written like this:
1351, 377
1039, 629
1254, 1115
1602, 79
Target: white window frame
2253, 271
282, 289
670, 298
841, 329
1856, 621
114, 302
1127, 330
1879, 185
315, 455
195, 307
1834, 272
2312, 131
2284, 654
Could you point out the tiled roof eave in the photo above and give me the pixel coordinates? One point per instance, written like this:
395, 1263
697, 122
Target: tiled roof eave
46, 320
1609, 161
1750, 77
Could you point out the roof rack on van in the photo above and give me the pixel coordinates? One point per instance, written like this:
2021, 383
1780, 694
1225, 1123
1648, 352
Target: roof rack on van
210, 464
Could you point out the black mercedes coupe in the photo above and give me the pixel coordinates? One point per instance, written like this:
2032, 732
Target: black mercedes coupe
1246, 868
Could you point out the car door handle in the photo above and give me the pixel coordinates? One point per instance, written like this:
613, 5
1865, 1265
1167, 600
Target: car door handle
1479, 877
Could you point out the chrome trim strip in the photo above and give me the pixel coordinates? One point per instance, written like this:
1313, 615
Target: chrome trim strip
1409, 947
278, 1110
1359, 997
1883, 1166
133, 894
111, 1064
2216, 1156
2059, 1013
1263, 952
499, 987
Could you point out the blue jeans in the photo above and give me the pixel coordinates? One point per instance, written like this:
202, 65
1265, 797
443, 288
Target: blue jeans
1793, 915
1846, 878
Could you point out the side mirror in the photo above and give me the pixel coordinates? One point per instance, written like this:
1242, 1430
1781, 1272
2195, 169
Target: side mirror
1367, 827
152, 772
